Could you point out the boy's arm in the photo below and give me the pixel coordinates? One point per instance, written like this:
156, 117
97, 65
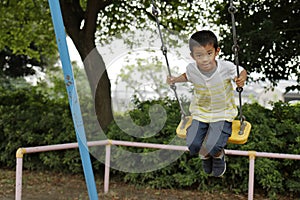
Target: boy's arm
179, 79
240, 82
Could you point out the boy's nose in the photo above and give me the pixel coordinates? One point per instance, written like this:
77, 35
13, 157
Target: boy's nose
205, 58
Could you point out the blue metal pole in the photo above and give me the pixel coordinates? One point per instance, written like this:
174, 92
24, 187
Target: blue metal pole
73, 97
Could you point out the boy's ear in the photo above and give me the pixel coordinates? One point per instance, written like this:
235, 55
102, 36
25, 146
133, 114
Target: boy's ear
218, 51
192, 55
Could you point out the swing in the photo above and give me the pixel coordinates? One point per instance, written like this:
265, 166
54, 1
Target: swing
240, 128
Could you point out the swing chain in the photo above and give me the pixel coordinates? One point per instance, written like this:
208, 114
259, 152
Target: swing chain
235, 48
164, 50
154, 9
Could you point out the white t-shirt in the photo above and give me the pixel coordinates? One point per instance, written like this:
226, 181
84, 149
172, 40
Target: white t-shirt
213, 98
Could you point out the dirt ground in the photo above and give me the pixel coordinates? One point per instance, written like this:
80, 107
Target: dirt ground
53, 186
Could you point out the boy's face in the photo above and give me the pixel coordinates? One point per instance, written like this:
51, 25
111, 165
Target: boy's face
205, 57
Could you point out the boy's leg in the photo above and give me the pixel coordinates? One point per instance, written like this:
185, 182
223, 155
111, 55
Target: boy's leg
217, 138
195, 136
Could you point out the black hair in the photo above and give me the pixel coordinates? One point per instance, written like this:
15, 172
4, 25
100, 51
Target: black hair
203, 38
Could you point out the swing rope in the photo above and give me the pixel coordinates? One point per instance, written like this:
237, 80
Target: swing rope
235, 49
165, 51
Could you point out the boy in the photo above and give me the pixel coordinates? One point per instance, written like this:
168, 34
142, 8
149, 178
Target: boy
212, 107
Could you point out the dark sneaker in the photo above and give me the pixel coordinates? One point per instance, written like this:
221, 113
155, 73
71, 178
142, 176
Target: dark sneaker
219, 165
207, 164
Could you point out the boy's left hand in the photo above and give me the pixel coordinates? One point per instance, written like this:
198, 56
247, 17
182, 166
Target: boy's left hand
240, 82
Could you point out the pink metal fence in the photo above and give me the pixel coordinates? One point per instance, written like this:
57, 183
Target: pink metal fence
251, 154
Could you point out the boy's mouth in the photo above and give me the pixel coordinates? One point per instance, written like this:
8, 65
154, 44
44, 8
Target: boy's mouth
206, 65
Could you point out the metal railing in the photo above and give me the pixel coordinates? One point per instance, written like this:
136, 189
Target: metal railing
251, 154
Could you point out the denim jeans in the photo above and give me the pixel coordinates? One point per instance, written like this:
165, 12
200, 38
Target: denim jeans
208, 138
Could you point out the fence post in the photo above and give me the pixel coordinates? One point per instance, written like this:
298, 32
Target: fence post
19, 159
252, 155
107, 166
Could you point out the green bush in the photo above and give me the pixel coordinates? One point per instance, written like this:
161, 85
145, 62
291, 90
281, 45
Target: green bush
29, 118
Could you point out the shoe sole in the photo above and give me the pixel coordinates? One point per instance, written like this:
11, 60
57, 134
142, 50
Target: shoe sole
222, 172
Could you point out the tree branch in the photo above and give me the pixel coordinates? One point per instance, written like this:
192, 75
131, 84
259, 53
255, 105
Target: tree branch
91, 15
73, 15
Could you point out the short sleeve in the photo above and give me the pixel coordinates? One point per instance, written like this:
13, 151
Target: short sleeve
189, 69
233, 70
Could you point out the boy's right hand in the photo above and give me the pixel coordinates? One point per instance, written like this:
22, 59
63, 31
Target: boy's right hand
170, 80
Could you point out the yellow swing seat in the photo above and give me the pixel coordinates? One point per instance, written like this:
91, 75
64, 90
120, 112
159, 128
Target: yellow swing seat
238, 135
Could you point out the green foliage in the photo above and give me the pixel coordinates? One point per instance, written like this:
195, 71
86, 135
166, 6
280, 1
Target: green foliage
34, 116
268, 36
27, 28
175, 16
275, 130
29, 118
27, 40
140, 117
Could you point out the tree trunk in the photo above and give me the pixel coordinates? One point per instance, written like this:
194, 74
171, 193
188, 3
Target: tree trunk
84, 40
98, 79
100, 86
